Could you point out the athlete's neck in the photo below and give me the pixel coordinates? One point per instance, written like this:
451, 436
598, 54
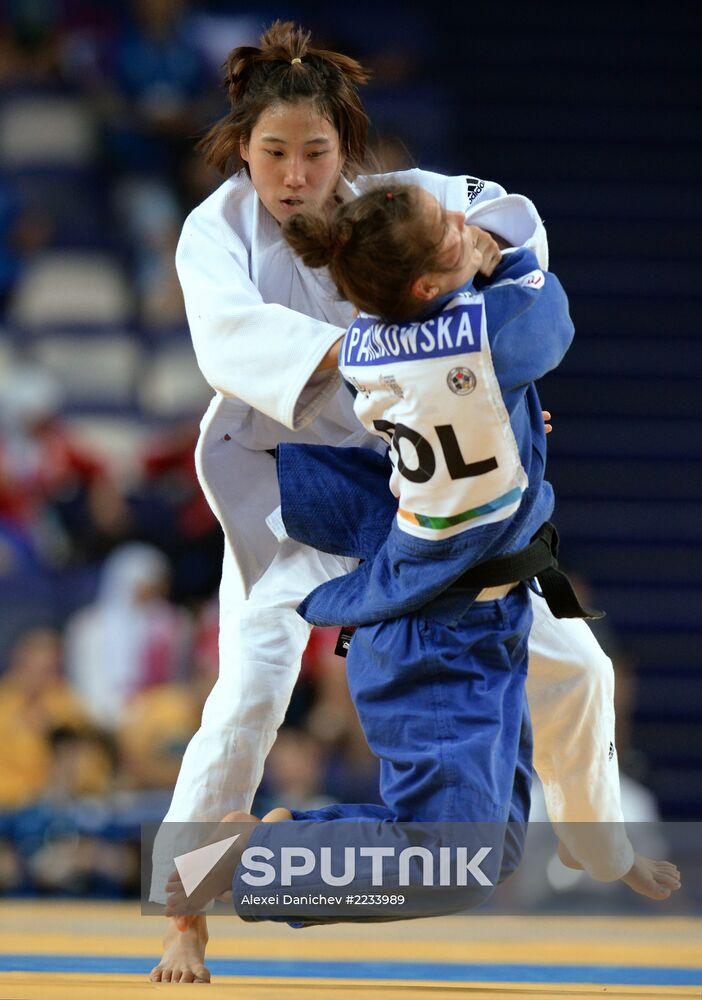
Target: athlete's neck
437, 304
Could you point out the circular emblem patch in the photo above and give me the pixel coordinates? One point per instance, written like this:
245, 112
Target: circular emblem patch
461, 381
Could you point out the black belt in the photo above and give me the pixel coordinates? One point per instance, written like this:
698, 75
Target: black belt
539, 559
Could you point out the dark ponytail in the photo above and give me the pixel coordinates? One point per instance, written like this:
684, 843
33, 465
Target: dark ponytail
285, 68
375, 247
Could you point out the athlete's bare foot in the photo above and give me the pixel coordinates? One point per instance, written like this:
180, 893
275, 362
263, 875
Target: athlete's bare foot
184, 945
655, 879
185, 941
217, 883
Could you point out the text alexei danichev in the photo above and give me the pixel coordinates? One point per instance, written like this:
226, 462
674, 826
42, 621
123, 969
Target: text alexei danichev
287, 899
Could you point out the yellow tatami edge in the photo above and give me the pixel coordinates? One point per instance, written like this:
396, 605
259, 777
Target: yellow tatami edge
47, 986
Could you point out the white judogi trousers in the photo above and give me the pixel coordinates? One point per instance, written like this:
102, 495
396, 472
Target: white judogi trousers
570, 689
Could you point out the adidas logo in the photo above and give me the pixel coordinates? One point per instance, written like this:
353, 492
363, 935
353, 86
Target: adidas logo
475, 186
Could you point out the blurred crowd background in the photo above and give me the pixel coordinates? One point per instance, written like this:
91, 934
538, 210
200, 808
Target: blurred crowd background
109, 555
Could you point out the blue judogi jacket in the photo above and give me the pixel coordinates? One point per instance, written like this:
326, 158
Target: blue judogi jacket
337, 499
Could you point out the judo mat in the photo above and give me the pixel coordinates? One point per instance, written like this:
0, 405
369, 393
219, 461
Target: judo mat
54, 950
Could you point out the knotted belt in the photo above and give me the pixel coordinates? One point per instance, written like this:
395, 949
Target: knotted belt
538, 559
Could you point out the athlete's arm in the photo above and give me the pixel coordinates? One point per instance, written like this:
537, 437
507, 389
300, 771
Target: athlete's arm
262, 353
331, 358
528, 323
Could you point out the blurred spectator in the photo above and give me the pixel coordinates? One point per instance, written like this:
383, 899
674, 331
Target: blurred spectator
29, 42
156, 726
294, 775
158, 81
148, 213
69, 862
352, 770
199, 180
156, 92
205, 649
23, 232
34, 701
216, 32
169, 468
51, 488
332, 714
131, 638
405, 86
62, 842
10, 867
84, 762
27, 590
160, 295
172, 512
158, 86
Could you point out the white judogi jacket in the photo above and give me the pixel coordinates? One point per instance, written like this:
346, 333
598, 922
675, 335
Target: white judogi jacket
252, 305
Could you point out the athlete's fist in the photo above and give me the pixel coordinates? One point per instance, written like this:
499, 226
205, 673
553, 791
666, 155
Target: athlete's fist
487, 245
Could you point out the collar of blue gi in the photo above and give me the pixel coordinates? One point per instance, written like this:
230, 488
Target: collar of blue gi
436, 305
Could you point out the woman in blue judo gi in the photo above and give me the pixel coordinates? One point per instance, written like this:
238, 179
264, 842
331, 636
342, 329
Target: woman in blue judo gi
444, 371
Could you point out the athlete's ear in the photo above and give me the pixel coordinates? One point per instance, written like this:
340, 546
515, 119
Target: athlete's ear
244, 150
424, 288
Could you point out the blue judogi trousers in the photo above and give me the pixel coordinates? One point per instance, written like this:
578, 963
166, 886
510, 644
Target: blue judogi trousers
441, 700
442, 704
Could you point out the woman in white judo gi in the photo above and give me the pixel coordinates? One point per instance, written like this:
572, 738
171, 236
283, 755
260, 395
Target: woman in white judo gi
266, 332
